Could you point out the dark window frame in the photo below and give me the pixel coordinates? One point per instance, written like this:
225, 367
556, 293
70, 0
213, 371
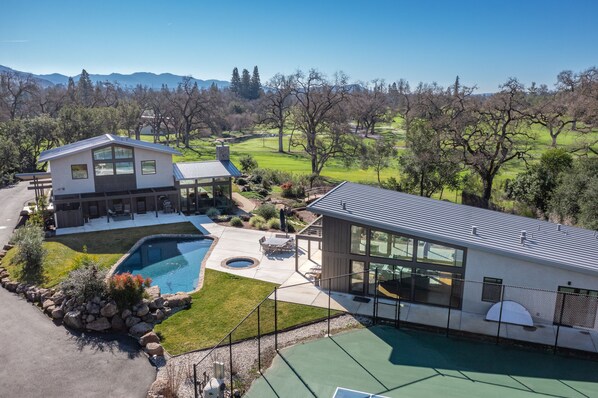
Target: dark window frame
149, 161
86, 172
491, 283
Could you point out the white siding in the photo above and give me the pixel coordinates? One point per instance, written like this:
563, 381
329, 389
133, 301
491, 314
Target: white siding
163, 176
62, 180
540, 304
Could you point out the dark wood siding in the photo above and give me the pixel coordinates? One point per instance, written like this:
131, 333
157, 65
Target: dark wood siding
115, 183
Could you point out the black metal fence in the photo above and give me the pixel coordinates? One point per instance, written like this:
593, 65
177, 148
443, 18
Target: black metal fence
564, 318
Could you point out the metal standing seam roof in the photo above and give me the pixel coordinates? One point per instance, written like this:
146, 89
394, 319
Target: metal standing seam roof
206, 169
497, 232
101, 140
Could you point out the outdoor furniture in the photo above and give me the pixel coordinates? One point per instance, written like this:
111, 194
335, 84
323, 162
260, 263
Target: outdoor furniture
275, 244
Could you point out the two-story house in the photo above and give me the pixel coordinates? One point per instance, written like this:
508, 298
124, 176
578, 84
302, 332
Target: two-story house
116, 177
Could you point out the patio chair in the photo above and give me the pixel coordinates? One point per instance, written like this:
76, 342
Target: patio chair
290, 245
263, 247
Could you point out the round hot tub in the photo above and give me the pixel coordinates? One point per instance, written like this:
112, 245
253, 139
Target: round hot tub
240, 263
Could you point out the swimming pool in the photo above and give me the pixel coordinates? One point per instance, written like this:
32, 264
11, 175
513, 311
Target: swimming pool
172, 263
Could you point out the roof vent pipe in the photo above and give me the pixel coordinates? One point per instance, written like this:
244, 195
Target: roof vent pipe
524, 234
474, 230
558, 227
522, 239
344, 205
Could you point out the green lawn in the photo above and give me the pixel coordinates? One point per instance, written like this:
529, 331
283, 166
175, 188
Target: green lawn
220, 305
106, 246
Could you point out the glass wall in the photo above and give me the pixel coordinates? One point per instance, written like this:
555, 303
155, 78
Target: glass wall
358, 239
387, 245
434, 287
357, 277
393, 280
433, 253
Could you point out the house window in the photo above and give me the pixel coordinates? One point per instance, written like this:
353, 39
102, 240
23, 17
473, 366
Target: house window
104, 168
124, 168
387, 245
433, 253
148, 167
491, 290
102, 154
122, 152
358, 239
79, 171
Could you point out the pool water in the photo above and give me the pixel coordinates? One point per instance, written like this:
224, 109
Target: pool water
240, 263
173, 264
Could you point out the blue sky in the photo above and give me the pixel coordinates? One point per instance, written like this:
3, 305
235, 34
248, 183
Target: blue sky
484, 41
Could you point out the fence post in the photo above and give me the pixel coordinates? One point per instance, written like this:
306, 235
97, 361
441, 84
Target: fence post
558, 327
502, 299
259, 338
448, 320
230, 354
329, 294
275, 319
375, 309
398, 304
195, 381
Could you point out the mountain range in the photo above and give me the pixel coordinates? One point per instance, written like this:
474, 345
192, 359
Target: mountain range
148, 79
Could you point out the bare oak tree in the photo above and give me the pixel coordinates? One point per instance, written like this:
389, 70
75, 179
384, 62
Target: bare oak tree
276, 105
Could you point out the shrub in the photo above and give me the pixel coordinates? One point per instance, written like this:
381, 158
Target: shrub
253, 221
29, 241
274, 223
85, 282
247, 163
127, 289
241, 181
236, 222
212, 212
267, 211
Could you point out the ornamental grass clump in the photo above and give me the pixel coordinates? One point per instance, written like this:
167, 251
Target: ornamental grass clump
127, 289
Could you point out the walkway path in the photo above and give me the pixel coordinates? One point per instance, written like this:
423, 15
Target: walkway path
244, 204
40, 359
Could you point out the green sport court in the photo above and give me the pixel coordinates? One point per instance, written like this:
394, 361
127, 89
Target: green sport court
386, 362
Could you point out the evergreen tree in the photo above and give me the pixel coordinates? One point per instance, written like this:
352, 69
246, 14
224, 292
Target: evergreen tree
245, 84
71, 91
235, 82
85, 89
255, 84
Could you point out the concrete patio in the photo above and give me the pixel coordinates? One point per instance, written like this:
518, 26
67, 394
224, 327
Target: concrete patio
140, 220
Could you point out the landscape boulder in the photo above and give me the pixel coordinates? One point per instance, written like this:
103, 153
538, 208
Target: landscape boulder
140, 329
99, 325
178, 300
153, 291
118, 324
154, 349
131, 321
109, 310
72, 319
150, 337
47, 303
126, 313
57, 313
142, 310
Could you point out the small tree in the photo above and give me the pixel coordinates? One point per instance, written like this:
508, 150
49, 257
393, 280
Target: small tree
30, 251
248, 163
85, 282
379, 156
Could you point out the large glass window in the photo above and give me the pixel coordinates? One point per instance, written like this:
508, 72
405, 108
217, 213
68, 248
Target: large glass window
387, 245
433, 253
124, 168
358, 239
104, 169
435, 287
357, 276
148, 167
102, 154
393, 280
123, 152
79, 171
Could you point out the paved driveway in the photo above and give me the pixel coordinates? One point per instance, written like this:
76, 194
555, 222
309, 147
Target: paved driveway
40, 359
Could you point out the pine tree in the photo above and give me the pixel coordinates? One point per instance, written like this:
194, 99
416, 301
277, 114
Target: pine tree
235, 82
85, 89
245, 88
71, 91
255, 84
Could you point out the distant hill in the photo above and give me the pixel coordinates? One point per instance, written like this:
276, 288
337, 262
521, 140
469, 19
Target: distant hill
148, 79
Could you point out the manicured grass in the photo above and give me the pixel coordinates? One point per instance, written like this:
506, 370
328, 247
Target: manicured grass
106, 246
223, 301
